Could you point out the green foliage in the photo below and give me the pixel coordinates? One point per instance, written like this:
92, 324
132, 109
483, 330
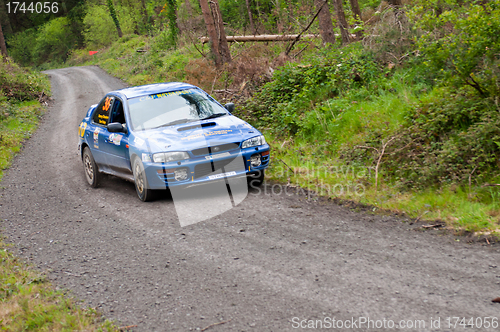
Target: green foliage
21, 46
462, 42
51, 43
297, 88
54, 41
448, 137
17, 84
100, 29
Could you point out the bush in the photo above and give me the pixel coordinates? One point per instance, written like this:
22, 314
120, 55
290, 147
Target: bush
21, 46
54, 41
100, 29
297, 88
51, 43
20, 85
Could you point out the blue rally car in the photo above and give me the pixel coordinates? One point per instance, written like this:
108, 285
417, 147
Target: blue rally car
168, 134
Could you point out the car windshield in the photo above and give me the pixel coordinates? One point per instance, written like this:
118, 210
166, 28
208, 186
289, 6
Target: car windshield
170, 108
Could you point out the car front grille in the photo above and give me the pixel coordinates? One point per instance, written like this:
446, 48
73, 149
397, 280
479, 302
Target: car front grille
205, 169
215, 149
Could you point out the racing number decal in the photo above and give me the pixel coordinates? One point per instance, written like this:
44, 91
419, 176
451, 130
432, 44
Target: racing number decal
81, 129
107, 103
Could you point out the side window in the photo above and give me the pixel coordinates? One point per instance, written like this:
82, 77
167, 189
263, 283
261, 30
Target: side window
117, 114
101, 114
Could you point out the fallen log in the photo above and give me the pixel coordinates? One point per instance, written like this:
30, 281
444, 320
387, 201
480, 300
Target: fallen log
260, 38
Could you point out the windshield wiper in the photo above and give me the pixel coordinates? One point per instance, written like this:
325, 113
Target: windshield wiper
175, 122
216, 115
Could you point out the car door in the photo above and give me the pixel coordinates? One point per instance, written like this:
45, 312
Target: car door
97, 130
115, 145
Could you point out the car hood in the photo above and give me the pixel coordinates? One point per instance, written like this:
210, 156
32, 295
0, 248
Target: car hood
188, 136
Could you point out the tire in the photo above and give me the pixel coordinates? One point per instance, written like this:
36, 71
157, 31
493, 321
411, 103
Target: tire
256, 180
141, 182
90, 168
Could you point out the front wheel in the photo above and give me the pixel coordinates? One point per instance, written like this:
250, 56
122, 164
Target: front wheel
91, 172
255, 180
141, 182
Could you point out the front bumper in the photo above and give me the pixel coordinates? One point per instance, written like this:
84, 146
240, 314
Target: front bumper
201, 169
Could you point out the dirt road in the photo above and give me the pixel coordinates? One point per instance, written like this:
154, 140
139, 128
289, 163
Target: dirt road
269, 264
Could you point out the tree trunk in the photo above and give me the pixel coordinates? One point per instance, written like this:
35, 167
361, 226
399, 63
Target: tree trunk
3, 47
189, 9
252, 26
221, 34
4, 18
357, 16
279, 16
341, 21
397, 3
112, 13
145, 17
325, 21
212, 34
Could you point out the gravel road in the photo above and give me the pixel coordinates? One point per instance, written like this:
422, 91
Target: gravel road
265, 265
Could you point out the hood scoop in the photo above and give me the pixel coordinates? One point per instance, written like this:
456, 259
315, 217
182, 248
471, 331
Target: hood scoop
203, 125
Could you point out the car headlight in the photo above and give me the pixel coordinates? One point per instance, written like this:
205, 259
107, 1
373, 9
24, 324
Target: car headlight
165, 157
256, 141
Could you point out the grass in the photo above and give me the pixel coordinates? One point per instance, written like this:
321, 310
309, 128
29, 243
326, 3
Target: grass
463, 212
29, 302
16, 128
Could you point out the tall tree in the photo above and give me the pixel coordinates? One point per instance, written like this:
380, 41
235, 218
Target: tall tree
112, 13
3, 47
212, 34
341, 21
172, 22
325, 21
357, 16
221, 33
249, 10
215, 29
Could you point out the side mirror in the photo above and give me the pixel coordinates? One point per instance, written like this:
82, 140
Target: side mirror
116, 127
229, 107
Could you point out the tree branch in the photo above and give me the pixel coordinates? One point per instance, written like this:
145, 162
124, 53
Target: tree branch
289, 48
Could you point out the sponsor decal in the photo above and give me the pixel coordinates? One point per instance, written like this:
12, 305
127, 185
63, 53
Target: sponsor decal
81, 129
166, 94
146, 158
115, 138
222, 175
209, 133
107, 104
96, 138
215, 156
138, 141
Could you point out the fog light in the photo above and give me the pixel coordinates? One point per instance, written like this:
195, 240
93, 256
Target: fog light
255, 160
181, 174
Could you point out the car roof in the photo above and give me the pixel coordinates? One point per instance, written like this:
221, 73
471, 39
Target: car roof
149, 89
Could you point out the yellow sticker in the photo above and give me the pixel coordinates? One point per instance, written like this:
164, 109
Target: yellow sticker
81, 129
